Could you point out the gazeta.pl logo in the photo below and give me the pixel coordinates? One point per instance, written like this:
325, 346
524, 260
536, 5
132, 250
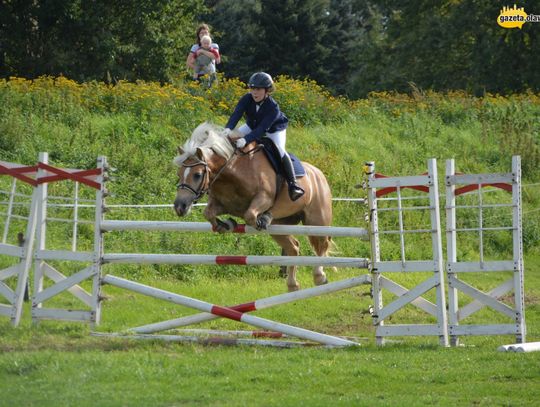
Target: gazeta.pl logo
515, 17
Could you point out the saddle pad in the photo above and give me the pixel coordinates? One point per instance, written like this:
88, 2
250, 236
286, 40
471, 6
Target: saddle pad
272, 153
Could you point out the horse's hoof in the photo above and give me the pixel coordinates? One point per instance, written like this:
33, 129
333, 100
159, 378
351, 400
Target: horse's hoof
264, 220
292, 288
323, 282
223, 227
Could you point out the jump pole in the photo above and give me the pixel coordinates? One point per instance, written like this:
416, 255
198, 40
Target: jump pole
256, 305
226, 312
168, 226
196, 259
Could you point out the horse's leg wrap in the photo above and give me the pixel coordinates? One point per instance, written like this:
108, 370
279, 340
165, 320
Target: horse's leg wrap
225, 226
264, 220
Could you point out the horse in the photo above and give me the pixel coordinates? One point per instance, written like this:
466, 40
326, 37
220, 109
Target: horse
244, 184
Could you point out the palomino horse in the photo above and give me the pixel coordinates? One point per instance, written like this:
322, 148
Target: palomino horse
245, 185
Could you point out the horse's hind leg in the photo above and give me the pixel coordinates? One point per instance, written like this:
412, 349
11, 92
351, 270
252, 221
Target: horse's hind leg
321, 245
290, 247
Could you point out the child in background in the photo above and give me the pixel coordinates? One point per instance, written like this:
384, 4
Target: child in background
205, 57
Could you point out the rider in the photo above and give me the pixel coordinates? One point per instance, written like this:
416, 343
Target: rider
264, 119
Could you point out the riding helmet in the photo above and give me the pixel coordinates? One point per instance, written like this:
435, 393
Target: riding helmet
261, 80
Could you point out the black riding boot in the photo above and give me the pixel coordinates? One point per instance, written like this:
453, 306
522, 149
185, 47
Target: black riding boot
295, 192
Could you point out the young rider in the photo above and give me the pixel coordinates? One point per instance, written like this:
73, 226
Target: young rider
264, 119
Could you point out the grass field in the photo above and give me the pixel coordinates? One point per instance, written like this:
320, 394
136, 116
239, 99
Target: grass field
60, 364
138, 126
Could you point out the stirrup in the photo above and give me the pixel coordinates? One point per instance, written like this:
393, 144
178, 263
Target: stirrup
295, 192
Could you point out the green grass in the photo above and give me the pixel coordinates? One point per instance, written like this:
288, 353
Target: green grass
167, 375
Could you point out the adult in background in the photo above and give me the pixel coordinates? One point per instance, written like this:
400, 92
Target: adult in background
197, 49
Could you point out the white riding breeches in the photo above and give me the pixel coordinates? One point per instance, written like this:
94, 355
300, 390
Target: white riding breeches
279, 137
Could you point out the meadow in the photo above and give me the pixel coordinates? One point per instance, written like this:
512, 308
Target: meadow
138, 127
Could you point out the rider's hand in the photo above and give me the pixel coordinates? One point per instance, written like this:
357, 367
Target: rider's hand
241, 142
226, 132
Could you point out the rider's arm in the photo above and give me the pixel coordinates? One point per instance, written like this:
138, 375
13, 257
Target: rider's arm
271, 113
238, 112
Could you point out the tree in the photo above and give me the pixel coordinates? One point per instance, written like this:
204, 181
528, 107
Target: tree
447, 45
93, 39
292, 38
235, 26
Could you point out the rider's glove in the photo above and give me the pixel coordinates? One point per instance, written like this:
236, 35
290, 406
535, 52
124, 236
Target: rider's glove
241, 142
226, 132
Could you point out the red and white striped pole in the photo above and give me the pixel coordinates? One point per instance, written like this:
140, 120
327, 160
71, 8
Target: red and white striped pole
227, 312
257, 305
139, 258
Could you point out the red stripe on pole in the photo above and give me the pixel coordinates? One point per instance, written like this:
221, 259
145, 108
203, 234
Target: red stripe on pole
226, 312
77, 175
247, 307
18, 173
266, 334
240, 229
239, 260
388, 190
474, 187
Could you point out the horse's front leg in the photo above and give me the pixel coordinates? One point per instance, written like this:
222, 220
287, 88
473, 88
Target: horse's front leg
256, 215
212, 211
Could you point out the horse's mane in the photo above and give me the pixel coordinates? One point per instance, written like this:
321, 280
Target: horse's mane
206, 136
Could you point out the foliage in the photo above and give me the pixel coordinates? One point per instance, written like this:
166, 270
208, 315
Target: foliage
352, 47
423, 44
102, 40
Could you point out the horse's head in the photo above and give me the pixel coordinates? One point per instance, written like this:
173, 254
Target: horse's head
193, 179
194, 163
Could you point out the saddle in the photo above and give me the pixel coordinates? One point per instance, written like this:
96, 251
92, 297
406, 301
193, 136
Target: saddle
272, 153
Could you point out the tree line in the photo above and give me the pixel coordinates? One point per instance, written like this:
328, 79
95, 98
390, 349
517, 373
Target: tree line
352, 47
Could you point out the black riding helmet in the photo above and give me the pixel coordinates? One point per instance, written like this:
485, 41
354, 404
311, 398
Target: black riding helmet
261, 80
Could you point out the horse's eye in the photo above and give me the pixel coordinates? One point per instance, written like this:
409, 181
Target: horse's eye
197, 176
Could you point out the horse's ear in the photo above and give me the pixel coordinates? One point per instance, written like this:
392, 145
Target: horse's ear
201, 154
180, 150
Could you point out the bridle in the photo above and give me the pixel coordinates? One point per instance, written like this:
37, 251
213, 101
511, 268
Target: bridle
199, 193
202, 190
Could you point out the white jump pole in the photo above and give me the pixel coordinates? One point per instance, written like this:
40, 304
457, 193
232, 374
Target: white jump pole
139, 258
122, 225
226, 312
520, 347
257, 305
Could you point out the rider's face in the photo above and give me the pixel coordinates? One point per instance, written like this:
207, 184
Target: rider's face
258, 94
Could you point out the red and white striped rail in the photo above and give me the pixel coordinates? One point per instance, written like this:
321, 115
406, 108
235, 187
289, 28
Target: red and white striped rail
123, 225
196, 259
227, 312
258, 304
